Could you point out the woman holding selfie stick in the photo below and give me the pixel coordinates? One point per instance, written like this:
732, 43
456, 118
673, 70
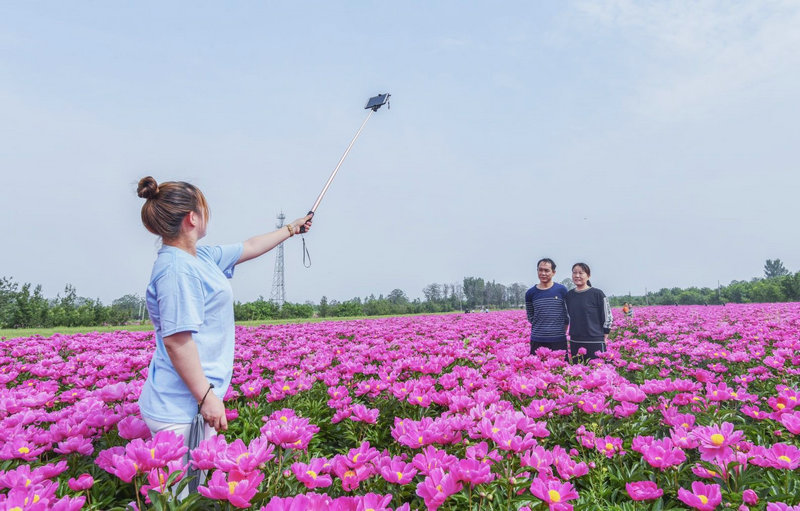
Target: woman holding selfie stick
190, 302
589, 316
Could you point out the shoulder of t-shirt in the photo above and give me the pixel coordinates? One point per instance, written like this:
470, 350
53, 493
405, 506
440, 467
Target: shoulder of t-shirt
598, 292
208, 250
174, 264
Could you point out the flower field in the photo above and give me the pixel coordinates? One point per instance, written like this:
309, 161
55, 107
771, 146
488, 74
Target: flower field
691, 407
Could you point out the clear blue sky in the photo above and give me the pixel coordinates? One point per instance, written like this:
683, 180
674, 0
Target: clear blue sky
656, 141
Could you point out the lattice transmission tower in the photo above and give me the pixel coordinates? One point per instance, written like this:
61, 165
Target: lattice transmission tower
278, 295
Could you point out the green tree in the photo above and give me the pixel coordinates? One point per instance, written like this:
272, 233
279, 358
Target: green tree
432, 292
474, 291
324, 309
516, 294
774, 269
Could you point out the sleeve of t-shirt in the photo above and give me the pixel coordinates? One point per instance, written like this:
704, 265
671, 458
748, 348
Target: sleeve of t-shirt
181, 303
226, 256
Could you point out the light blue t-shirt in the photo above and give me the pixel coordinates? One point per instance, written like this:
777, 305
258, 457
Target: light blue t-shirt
190, 294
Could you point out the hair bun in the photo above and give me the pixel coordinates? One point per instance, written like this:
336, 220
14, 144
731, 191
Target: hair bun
148, 188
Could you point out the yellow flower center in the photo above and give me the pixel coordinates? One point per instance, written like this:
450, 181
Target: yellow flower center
232, 486
243, 455
609, 447
284, 418
153, 453
312, 474
419, 440
703, 499
399, 475
495, 430
439, 487
16, 508
541, 408
554, 496
285, 388
419, 399
23, 450
785, 458
355, 458
717, 439
349, 473
523, 386
781, 406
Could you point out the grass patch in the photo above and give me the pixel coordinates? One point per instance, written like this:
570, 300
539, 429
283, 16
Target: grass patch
13, 333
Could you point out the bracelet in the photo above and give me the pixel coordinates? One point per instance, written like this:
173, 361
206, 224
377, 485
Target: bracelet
291, 229
200, 404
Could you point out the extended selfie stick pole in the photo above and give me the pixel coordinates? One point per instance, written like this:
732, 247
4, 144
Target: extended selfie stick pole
373, 104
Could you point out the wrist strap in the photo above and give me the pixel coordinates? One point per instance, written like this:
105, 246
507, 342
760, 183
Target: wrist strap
200, 404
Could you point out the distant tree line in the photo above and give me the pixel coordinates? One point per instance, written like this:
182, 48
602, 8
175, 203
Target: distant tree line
23, 306
777, 285
474, 293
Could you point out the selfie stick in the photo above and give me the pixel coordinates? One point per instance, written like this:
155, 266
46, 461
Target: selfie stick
373, 104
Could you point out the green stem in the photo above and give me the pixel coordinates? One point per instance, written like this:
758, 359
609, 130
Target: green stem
136, 488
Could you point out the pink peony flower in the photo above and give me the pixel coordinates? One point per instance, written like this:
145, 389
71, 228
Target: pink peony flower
133, 427
716, 440
663, 454
436, 487
362, 414
643, 490
749, 497
398, 472
704, 497
553, 492
312, 475
83, 482
473, 472
238, 492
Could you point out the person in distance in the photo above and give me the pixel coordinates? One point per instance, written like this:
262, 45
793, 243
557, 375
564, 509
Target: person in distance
546, 309
589, 315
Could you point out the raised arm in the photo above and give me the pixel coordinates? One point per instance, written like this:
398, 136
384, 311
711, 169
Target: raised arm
261, 244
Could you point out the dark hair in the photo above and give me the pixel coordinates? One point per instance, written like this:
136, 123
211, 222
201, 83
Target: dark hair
584, 267
546, 260
167, 204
